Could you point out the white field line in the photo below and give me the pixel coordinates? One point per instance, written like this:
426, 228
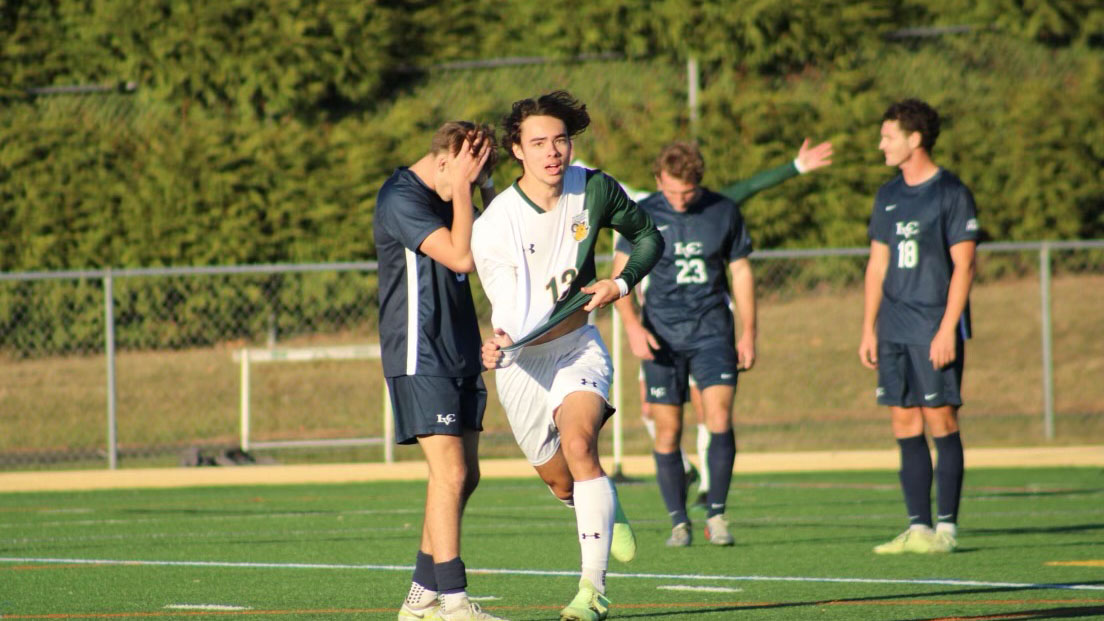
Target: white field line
217, 607
572, 573
697, 589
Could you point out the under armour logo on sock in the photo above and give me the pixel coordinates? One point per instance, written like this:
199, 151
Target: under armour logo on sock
590, 536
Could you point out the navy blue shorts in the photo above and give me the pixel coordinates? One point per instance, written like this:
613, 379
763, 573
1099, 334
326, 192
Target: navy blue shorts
426, 405
667, 378
906, 378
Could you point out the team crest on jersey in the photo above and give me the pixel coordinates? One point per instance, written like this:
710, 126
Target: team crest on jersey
579, 226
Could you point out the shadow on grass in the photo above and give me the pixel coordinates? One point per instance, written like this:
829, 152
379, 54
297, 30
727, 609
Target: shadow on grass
1052, 613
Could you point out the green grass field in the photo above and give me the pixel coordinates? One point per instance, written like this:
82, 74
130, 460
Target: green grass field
1032, 547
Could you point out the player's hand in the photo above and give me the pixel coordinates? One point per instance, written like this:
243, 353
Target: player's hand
467, 163
602, 292
492, 349
868, 351
942, 350
812, 158
745, 352
642, 342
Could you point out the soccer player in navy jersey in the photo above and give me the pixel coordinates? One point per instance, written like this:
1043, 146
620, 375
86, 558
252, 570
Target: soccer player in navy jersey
916, 318
687, 329
430, 346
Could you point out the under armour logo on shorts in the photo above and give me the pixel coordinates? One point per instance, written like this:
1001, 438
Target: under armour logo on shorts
589, 382
532, 248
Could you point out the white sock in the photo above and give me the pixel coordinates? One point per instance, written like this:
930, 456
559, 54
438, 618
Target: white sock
703, 458
569, 502
420, 597
947, 527
452, 601
594, 509
686, 465
649, 424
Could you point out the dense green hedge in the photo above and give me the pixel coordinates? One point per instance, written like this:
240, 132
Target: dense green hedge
261, 130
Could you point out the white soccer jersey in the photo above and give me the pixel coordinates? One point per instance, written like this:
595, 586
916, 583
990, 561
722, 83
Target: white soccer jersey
528, 258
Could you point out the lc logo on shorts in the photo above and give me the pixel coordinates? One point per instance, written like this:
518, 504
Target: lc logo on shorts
658, 392
446, 419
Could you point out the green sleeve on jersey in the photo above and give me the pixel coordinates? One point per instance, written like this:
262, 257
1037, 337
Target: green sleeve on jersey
741, 190
632, 222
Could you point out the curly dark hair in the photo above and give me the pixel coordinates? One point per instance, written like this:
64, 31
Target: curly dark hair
681, 160
559, 104
914, 115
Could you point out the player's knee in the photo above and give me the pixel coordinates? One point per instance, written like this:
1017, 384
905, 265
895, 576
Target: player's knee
578, 448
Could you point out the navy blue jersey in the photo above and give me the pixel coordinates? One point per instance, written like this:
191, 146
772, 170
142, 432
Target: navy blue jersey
920, 224
686, 295
427, 321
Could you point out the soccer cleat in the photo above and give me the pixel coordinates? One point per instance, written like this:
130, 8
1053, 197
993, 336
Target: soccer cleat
701, 505
588, 605
915, 540
716, 531
623, 544
943, 543
466, 610
429, 613
680, 536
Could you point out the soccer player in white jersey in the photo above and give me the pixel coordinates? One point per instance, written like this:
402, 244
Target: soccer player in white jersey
534, 251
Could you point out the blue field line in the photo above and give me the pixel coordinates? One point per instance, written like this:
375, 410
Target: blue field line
574, 573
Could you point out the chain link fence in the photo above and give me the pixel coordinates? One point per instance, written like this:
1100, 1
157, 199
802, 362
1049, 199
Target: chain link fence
155, 373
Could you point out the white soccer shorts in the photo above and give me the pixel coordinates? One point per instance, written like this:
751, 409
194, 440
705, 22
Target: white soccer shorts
541, 377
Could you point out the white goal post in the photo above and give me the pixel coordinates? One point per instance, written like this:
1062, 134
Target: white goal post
249, 356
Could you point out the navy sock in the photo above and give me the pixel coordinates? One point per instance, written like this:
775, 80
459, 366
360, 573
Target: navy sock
423, 571
451, 576
672, 484
916, 478
949, 470
721, 457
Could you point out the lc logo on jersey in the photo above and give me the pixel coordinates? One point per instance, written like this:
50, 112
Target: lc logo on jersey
579, 226
908, 230
688, 249
446, 419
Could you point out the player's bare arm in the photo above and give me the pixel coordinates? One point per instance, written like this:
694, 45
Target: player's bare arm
810, 158
451, 247
872, 299
602, 293
943, 345
743, 293
641, 341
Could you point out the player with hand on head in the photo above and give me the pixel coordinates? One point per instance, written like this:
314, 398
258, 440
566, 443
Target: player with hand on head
916, 318
430, 346
686, 330
534, 251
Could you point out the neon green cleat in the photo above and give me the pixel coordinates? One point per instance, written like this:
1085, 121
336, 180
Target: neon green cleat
943, 543
467, 610
915, 540
588, 605
623, 544
429, 613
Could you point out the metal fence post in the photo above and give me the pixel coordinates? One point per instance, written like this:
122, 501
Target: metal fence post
109, 347
1045, 329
